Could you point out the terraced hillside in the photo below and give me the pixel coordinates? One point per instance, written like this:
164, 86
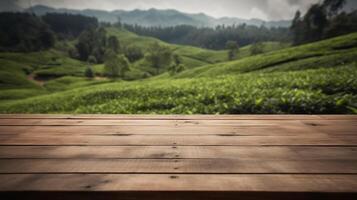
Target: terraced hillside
314, 78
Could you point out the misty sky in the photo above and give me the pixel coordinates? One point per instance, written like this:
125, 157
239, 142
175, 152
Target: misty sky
263, 9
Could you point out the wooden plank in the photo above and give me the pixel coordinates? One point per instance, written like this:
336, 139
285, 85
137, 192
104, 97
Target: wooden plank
163, 117
337, 117
281, 130
332, 123
177, 123
138, 122
174, 182
219, 157
347, 127
192, 166
179, 140
187, 152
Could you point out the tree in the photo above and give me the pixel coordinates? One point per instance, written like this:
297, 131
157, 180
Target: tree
333, 6
342, 24
24, 32
92, 42
115, 66
233, 48
257, 48
92, 60
89, 72
47, 38
111, 64
297, 28
124, 65
69, 26
113, 44
159, 56
322, 21
213, 38
73, 53
134, 53
315, 22
84, 45
177, 65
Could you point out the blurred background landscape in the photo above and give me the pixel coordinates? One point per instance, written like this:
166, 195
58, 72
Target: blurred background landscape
178, 57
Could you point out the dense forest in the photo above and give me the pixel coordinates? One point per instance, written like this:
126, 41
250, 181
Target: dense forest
323, 20
24, 32
212, 38
69, 25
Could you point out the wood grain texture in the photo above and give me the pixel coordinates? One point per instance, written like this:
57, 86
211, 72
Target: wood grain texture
252, 157
283, 130
184, 152
175, 182
180, 140
190, 166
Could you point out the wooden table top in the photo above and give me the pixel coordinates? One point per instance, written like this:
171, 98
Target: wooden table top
178, 157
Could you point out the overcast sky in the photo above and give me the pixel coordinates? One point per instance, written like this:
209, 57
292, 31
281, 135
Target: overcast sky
263, 9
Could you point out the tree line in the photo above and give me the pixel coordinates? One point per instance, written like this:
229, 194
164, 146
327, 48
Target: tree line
212, 38
323, 20
24, 32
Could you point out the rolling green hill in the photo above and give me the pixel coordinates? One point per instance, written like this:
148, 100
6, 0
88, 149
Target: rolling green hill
192, 57
55, 63
315, 78
328, 53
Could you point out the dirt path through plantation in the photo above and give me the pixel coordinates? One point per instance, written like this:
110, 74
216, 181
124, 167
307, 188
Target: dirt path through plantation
31, 77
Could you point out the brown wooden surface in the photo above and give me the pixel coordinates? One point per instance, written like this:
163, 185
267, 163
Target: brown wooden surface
178, 157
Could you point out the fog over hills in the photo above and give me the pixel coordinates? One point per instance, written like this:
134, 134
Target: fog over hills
156, 17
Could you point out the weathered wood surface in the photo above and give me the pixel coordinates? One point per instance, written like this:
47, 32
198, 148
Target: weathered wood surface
178, 157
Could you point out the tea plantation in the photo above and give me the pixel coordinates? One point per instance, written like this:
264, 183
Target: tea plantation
318, 78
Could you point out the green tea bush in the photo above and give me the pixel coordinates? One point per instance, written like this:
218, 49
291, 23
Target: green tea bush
322, 91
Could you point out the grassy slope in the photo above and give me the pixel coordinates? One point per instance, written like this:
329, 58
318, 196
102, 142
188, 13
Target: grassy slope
56, 63
309, 91
192, 57
314, 78
327, 53
17, 70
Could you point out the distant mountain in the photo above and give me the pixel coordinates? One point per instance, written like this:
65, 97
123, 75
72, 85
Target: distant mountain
155, 17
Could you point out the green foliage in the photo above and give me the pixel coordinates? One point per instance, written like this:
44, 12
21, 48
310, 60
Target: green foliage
177, 65
212, 38
20, 93
10, 80
89, 72
92, 60
323, 20
113, 44
69, 25
159, 57
318, 78
233, 48
71, 82
115, 66
23, 32
318, 91
133, 53
92, 42
257, 48
314, 55
333, 6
